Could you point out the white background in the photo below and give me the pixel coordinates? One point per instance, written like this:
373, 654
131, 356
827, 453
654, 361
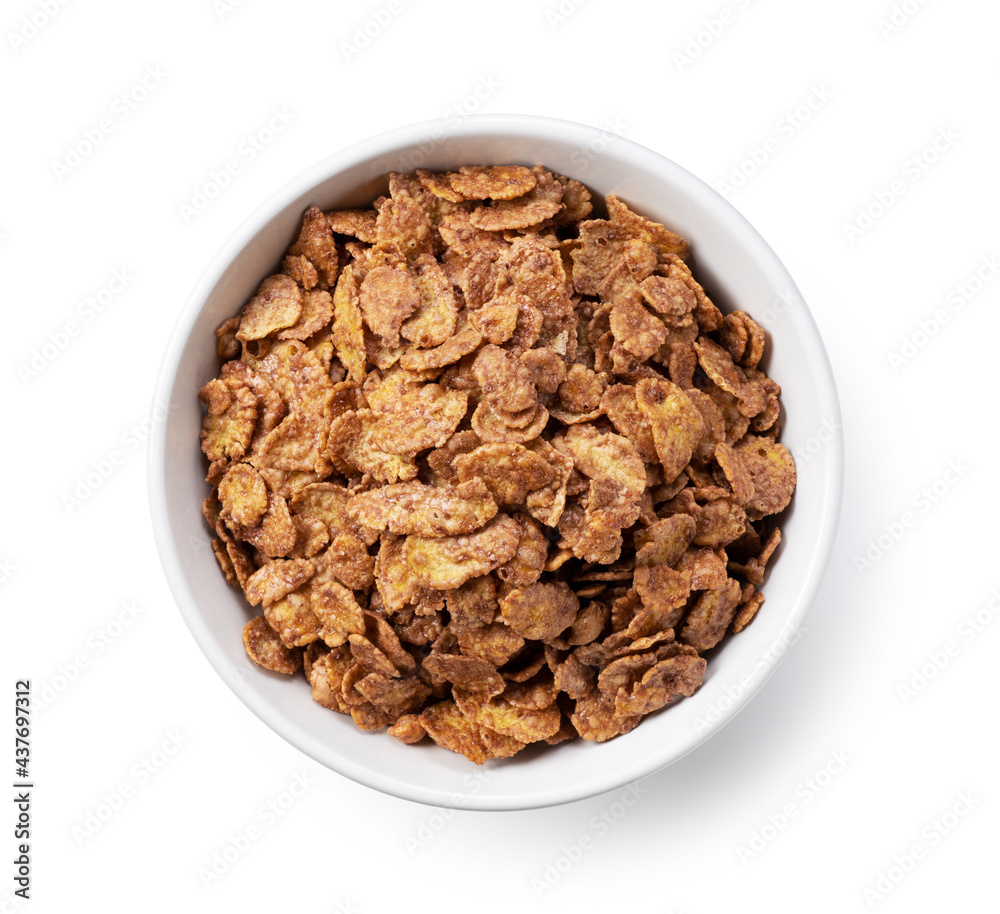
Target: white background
847, 784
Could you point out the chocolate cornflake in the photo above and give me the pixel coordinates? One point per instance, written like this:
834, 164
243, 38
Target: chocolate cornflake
495, 471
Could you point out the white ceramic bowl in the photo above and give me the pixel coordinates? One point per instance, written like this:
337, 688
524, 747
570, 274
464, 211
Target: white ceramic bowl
737, 268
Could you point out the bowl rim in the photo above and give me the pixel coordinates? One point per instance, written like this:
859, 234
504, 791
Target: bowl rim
531, 127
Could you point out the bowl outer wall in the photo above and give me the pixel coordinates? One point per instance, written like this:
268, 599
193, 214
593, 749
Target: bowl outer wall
737, 268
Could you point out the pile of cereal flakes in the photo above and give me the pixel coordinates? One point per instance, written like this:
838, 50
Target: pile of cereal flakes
496, 472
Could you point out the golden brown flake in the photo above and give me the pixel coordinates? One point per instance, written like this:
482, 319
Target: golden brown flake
394, 697
266, 649
542, 202
402, 229
546, 504
371, 658
278, 577
275, 535
772, 471
638, 331
528, 562
596, 719
492, 182
670, 297
292, 618
348, 332
301, 269
227, 346
230, 419
439, 185
664, 592
490, 425
317, 311
242, 495
389, 295
504, 379
540, 612
277, 304
574, 678
746, 611
450, 728
605, 456
396, 585
316, 243
445, 562
472, 605
466, 339
719, 366
680, 674
710, 616
442, 460
421, 419
408, 729
547, 369
353, 449
640, 227
337, 609
412, 507
580, 392
526, 725
533, 694
467, 673
434, 320
618, 403
719, 522
509, 471
358, 223
311, 536
496, 643
675, 422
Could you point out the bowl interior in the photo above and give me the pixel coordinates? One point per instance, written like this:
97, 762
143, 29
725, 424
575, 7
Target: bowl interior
737, 269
